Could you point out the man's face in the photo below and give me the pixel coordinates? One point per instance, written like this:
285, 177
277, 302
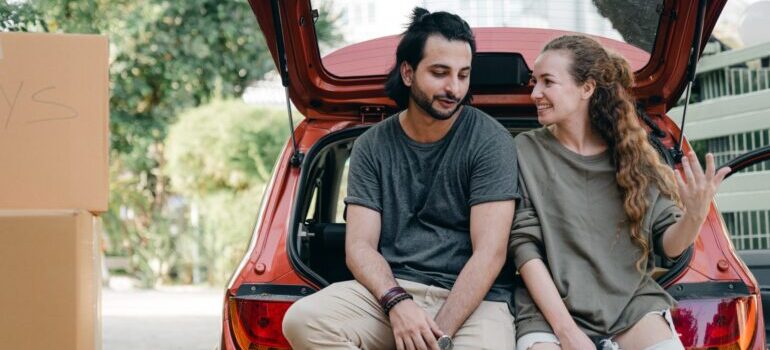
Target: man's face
442, 78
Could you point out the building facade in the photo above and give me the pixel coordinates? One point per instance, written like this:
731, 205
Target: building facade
729, 115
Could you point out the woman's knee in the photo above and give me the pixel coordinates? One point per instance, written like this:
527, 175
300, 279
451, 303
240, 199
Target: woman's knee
653, 329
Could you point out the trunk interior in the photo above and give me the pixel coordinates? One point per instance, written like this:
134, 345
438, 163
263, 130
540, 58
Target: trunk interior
318, 244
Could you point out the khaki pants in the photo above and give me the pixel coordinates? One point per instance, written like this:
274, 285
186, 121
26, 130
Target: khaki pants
345, 315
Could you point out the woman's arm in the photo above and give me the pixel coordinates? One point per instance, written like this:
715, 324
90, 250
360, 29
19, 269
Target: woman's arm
543, 291
696, 191
526, 250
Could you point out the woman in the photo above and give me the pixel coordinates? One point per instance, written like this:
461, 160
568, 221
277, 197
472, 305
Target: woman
598, 204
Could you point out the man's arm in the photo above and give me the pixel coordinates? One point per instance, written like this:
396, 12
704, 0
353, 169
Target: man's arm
490, 228
361, 255
411, 324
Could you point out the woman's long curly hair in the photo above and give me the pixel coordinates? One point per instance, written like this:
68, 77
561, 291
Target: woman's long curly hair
613, 114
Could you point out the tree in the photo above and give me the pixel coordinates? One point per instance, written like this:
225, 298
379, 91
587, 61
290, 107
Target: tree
640, 31
219, 158
21, 17
166, 57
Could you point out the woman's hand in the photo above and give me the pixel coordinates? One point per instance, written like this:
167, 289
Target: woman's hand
698, 188
575, 339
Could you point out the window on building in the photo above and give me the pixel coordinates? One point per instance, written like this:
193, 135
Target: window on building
749, 230
728, 147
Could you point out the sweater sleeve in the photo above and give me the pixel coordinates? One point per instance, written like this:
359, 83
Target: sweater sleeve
664, 214
526, 239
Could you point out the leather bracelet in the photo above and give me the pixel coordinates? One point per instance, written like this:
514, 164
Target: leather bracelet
390, 294
393, 302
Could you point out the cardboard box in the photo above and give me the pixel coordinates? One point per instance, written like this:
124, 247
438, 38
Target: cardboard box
54, 121
50, 290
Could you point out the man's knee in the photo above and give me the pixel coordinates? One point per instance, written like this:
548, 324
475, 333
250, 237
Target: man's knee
295, 321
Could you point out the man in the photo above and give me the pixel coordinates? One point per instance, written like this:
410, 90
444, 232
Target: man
430, 203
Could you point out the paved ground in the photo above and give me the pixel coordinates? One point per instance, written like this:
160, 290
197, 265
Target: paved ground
165, 319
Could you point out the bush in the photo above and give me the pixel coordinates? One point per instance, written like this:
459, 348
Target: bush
219, 158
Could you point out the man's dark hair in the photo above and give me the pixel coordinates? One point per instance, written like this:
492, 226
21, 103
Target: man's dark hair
412, 44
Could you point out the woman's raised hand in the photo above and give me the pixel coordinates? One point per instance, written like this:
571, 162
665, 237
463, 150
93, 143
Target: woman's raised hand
698, 188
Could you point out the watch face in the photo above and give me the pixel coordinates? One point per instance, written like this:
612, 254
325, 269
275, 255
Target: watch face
445, 342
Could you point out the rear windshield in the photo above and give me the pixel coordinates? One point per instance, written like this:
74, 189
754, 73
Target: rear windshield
633, 22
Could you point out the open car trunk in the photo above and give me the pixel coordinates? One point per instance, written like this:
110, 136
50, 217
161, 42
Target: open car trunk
318, 247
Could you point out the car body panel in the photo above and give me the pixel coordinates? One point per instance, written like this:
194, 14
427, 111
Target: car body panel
375, 57
319, 94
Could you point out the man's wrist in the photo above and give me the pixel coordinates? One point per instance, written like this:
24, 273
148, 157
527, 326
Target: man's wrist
391, 297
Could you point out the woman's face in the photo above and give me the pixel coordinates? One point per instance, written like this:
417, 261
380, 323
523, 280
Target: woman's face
556, 95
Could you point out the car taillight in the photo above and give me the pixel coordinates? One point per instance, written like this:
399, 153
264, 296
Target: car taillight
256, 323
729, 323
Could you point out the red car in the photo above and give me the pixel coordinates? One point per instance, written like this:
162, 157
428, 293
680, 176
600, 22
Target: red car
297, 246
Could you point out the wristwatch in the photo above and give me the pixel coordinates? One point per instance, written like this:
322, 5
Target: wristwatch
445, 342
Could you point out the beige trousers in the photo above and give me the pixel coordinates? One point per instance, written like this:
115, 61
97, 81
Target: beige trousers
345, 315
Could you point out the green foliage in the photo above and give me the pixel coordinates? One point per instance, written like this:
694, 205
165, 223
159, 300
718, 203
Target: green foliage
138, 227
227, 222
166, 57
219, 157
20, 17
224, 146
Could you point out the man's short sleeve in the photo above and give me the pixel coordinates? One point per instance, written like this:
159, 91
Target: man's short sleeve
495, 170
364, 186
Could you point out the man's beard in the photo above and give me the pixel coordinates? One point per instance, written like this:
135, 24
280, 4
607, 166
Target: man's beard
426, 104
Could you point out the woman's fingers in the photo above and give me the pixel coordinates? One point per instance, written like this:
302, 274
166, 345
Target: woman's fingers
710, 166
679, 181
688, 174
720, 175
697, 169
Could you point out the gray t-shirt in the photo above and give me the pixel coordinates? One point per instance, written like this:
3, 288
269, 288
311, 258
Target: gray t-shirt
424, 193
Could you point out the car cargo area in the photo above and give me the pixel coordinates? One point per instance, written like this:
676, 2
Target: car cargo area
319, 242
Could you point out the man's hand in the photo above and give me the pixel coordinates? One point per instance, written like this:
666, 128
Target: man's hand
575, 339
413, 328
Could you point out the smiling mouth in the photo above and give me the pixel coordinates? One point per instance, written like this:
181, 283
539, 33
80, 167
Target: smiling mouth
541, 108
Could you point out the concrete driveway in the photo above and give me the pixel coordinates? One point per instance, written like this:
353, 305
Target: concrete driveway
169, 318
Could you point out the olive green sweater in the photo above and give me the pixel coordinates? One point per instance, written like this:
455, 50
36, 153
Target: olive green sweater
572, 218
